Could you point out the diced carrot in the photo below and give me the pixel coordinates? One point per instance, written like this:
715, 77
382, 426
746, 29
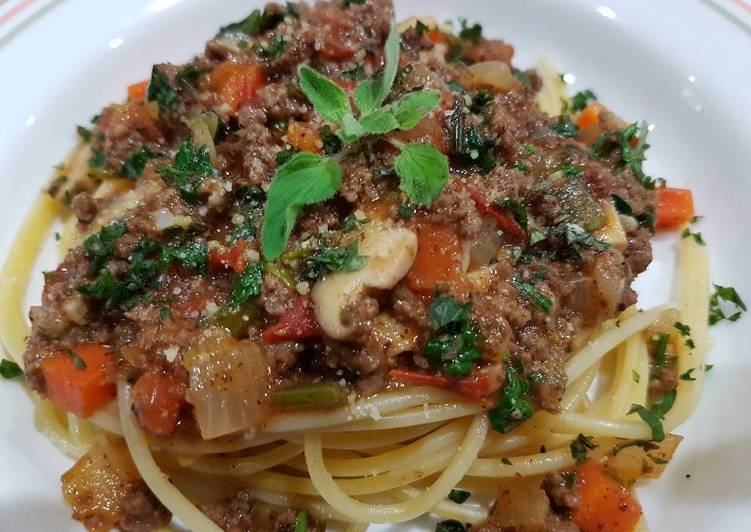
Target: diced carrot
675, 207
228, 258
507, 224
475, 387
439, 260
437, 37
304, 136
236, 83
298, 323
78, 381
590, 116
137, 91
605, 503
158, 399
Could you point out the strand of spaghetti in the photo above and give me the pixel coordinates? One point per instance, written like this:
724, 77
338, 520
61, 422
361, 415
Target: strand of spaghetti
401, 457
694, 312
608, 340
375, 406
465, 513
535, 464
17, 271
246, 465
155, 479
413, 416
227, 444
107, 419
403, 511
49, 423
577, 390
356, 441
316, 505
575, 423
632, 352
357, 486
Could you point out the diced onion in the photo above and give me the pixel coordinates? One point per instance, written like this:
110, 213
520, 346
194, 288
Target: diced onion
494, 74
229, 383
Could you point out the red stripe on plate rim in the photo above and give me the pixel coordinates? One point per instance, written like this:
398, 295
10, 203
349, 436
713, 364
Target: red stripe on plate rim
15, 11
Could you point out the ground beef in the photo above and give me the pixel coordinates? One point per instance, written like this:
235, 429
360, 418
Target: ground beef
563, 494
142, 511
84, 207
242, 513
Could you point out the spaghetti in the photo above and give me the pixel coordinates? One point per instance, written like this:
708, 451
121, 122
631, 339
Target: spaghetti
398, 453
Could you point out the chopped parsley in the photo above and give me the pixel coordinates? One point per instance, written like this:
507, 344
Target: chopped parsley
332, 144
78, 362
696, 236
529, 291
450, 525
247, 286
135, 163
687, 375
580, 446
98, 159
257, 22
728, 295
635, 376
653, 416
466, 142
191, 166
84, 133
9, 369
565, 127
632, 157
459, 496
682, 328
471, 33
162, 92
334, 259
581, 99
347, 3
708, 367
282, 156
659, 344
98, 247
480, 102
515, 404
455, 343
354, 74
272, 49
646, 220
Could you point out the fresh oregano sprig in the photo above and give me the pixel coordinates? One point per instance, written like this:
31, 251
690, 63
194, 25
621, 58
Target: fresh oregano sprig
308, 178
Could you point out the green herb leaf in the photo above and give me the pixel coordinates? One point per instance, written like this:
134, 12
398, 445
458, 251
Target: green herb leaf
254, 23
355, 74
332, 144
726, 294
653, 416
708, 367
530, 292
334, 259
247, 286
565, 127
9, 369
191, 255
189, 170
517, 210
379, 121
580, 446
682, 328
84, 133
445, 310
371, 93
470, 33
635, 376
687, 375
581, 99
136, 162
454, 345
450, 525
305, 179
515, 405
272, 49
663, 406
424, 172
99, 246
301, 521
162, 92
78, 362
459, 496
480, 102
659, 344
696, 236
328, 98
351, 129
413, 107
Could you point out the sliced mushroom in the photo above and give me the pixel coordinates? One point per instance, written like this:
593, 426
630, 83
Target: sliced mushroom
390, 251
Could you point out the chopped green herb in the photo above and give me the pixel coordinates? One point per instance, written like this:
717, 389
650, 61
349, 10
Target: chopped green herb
459, 496
272, 49
581, 99
655, 414
189, 74
331, 143
135, 163
454, 345
521, 166
471, 33
9, 369
255, 23
192, 165
517, 210
450, 525
421, 28
480, 102
191, 255
99, 246
247, 286
708, 367
515, 404
406, 210
635, 375
84, 133
581, 446
334, 259
293, 10
301, 521
351, 223
165, 313
686, 375
505, 461
682, 328
354, 74
696, 236
726, 294
529, 291
423, 172
565, 127
347, 3
162, 92
632, 157
78, 362
98, 159
282, 156
659, 344
688, 342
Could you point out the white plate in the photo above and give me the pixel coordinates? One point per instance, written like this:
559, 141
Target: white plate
682, 65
